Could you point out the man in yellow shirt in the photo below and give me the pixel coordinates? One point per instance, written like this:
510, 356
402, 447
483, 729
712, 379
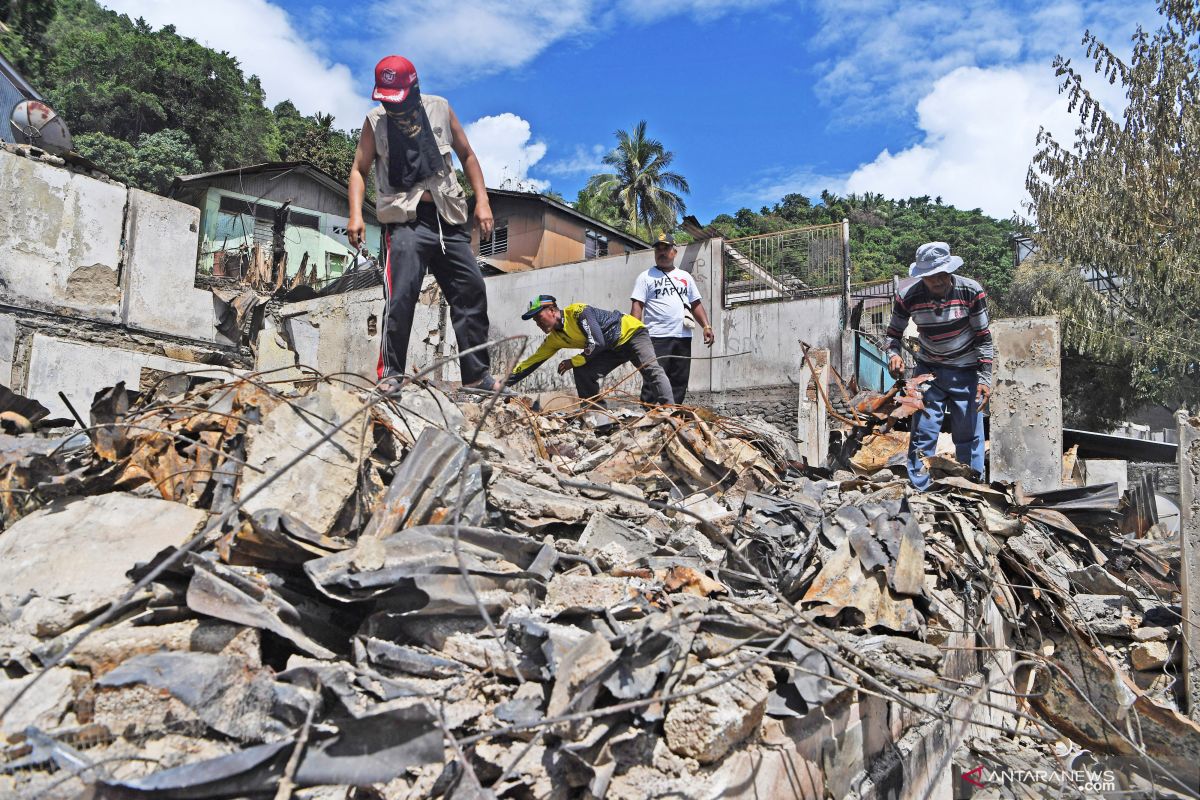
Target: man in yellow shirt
608, 340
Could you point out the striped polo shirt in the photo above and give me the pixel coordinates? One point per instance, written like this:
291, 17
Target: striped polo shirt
952, 330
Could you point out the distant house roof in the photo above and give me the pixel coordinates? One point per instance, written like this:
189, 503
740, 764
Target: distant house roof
566, 209
303, 167
274, 180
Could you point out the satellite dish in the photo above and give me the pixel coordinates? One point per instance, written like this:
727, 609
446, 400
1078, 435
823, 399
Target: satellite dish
35, 123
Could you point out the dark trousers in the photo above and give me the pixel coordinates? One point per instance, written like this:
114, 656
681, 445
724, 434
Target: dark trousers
410, 247
639, 351
675, 357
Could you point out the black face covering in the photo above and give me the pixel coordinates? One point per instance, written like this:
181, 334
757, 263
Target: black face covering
413, 153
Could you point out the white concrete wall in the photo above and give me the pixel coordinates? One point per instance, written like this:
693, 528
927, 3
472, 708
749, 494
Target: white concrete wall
80, 369
762, 340
159, 294
757, 344
61, 251
60, 239
605, 283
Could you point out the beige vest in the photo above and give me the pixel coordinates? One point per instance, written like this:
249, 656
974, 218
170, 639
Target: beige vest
396, 205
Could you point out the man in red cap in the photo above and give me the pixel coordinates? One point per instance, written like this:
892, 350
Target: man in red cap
409, 139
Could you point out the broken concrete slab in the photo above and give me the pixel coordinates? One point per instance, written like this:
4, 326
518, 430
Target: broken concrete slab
104, 537
603, 531
1107, 615
315, 489
44, 705
587, 593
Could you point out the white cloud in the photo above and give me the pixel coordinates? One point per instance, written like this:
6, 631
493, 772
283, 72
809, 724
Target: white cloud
979, 129
584, 161
881, 56
653, 10
774, 184
506, 150
453, 42
266, 43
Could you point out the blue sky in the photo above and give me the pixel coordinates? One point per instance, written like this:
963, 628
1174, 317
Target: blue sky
757, 98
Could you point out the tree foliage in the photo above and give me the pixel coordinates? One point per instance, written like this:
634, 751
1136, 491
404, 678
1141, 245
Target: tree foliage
1121, 205
178, 105
641, 183
885, 233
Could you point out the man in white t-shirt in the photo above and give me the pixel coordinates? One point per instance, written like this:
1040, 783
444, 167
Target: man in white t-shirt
668, 301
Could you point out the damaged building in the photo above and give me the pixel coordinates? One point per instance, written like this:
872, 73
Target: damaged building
253, 574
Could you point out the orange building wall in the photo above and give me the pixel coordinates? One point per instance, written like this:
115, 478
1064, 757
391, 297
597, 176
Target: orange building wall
538, 236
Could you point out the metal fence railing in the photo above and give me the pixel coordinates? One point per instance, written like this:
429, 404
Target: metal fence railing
871, 307
793, 263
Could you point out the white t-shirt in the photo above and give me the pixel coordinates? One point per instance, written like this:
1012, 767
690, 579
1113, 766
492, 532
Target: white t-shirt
663, 301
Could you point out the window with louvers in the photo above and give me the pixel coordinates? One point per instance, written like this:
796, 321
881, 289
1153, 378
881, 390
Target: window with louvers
497, 244
595, 245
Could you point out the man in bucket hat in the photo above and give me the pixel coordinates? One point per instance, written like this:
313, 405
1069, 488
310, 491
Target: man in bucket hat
408, 139
950, 313
608, 340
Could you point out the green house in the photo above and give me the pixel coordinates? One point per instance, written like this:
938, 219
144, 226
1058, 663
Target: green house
240, 207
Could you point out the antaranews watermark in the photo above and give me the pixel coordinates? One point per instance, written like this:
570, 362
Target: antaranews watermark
1083, 780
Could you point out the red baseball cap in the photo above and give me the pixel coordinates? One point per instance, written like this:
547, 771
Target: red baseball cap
394, 78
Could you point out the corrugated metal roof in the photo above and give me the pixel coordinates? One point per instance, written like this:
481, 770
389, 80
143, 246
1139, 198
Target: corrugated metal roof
317, 174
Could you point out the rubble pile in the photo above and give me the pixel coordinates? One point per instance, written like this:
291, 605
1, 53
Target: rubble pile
315, 589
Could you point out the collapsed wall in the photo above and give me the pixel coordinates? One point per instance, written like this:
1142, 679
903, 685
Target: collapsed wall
97, 285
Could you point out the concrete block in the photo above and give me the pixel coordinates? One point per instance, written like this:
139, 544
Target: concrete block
159, 292
315, 489
592, 593
706, 726
60, 239
1026, 429
811, 427
1147, 656
80, 369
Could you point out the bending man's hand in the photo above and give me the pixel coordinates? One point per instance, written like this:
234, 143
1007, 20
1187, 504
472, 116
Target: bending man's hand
982, 395
564, 366
896, 366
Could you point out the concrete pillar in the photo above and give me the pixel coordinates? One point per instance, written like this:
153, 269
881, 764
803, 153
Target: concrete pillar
1189, 509
811, 427
1026, 416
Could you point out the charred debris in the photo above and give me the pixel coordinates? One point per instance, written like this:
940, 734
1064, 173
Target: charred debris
309, 588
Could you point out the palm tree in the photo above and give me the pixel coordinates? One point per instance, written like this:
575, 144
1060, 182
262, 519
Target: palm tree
641, 184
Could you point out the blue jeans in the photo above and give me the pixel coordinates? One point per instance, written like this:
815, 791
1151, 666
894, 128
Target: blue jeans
952, 390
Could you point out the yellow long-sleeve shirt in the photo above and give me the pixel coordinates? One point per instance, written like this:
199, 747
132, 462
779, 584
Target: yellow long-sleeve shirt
583, 327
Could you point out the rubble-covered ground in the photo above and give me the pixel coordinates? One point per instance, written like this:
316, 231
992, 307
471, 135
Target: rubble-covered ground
314, 589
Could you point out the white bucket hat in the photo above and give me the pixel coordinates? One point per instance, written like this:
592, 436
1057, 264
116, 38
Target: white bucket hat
932, 258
